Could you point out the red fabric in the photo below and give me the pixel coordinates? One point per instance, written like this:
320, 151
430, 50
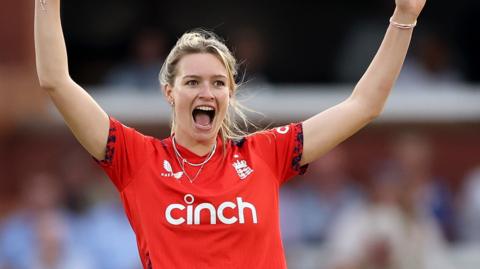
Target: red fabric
227, 218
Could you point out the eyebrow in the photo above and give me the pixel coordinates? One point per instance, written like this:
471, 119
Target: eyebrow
198, 77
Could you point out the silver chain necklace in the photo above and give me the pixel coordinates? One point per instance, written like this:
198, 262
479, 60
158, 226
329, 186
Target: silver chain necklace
183, 161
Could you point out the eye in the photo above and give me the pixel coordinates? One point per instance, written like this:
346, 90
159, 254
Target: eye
191, 82
219, 83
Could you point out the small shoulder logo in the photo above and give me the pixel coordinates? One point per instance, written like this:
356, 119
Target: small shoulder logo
282, 130
243, 170
168, 167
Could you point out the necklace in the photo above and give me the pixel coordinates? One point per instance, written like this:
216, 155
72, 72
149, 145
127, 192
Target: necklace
182, 161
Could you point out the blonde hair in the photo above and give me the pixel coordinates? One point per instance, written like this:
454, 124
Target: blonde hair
202, 41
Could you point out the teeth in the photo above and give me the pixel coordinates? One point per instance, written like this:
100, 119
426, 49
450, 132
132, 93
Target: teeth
205, 108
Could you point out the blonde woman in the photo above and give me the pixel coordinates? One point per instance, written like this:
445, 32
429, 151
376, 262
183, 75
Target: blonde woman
207, 196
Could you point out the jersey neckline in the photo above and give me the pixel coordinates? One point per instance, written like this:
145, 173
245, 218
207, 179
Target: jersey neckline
193, 157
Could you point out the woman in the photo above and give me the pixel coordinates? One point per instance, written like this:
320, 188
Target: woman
205, 197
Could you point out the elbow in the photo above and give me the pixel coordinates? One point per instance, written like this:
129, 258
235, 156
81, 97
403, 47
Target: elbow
368, 111
371, 99
368, 116
375, 113
46, 84
49, 83
372, 112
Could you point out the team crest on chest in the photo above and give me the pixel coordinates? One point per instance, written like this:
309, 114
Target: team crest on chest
242, 168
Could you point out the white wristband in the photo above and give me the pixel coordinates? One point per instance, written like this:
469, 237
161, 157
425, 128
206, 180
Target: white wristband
403, 25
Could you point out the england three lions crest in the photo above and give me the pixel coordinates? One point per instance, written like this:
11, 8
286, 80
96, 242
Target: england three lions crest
242, 168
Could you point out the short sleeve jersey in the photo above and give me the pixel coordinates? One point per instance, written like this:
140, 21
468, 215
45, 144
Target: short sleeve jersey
226, 217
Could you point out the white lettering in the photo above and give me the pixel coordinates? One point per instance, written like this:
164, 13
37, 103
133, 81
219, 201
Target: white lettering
241, 206
210, 207
193, 213
222, 217
190, 215
168, 214
283, 130
189, 199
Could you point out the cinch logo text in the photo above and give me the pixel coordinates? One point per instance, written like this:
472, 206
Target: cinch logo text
190, 214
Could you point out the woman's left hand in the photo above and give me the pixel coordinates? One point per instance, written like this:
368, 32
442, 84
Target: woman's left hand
407, 11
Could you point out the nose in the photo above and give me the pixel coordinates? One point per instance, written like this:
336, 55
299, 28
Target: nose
206, 92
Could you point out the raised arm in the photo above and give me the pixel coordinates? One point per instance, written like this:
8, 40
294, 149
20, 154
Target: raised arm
327, 129
88, 122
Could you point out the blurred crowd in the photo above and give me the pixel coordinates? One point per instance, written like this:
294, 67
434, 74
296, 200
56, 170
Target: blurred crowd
68, 217
430, 65
402, 215
149, 47
268, 45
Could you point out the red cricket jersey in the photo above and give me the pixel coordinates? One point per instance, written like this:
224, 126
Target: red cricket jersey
226, 218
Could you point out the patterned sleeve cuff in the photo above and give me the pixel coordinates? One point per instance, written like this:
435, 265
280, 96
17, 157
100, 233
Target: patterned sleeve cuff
110, 147
298, 150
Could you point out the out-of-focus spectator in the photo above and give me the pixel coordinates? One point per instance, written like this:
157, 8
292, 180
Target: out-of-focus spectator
413, 153
109, 237
289, 221
39, 234
389, 231
430, 66
97, 215
76, 180
148, 51
250, 47
469, 209
319, 199
358, 47
468, 39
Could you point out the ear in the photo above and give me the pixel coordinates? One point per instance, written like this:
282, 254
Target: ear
168, 92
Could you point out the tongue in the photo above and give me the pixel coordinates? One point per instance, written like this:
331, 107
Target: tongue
202, 119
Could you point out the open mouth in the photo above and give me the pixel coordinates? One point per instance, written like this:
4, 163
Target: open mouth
203, 116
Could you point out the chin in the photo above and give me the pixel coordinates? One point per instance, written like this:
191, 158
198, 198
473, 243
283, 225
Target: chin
205, 135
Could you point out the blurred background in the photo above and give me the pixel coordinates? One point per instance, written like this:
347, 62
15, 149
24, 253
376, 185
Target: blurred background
402, 193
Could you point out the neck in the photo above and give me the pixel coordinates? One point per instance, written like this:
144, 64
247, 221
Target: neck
200, 148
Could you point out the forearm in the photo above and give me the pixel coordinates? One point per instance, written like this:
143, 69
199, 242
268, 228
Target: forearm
88, 122
51, 53
372, 90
